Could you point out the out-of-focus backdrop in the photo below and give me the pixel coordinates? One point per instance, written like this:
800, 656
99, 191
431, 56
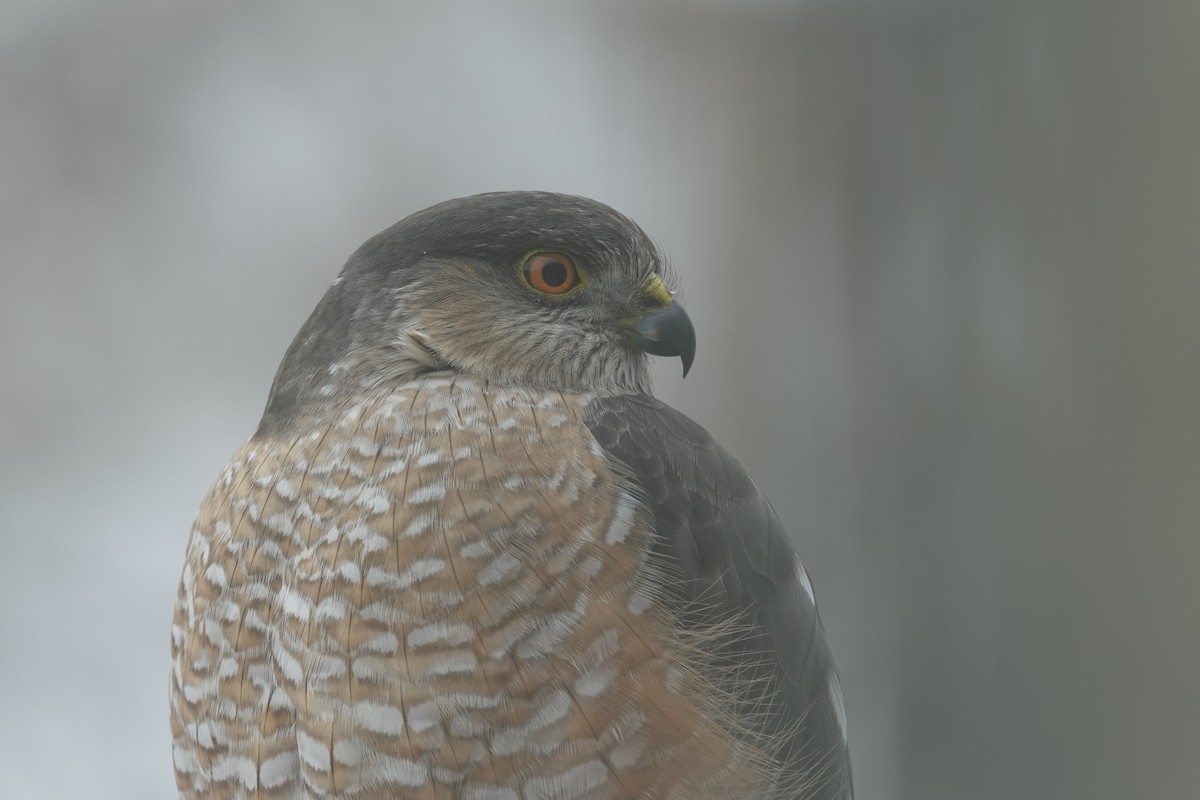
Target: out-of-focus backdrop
944, 259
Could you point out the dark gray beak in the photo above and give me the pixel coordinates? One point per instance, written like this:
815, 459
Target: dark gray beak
667, 333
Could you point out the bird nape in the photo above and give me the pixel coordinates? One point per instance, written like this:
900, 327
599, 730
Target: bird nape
468, 554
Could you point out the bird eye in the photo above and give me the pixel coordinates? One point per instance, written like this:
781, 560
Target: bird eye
551, 273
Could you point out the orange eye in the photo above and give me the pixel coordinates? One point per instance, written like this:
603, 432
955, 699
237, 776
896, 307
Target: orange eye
551, 273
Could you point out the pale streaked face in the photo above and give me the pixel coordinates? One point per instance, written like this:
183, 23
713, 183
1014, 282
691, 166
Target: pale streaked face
518, 288
494, 322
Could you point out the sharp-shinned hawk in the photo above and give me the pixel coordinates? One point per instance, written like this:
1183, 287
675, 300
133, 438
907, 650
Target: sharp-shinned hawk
468, 555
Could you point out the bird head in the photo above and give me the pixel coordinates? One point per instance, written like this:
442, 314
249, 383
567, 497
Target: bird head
520, 288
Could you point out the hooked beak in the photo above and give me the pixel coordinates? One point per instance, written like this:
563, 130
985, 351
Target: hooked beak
666, 333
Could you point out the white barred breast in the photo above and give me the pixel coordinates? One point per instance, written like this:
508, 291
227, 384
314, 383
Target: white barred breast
438, 591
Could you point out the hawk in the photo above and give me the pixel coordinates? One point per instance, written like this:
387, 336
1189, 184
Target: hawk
467, 554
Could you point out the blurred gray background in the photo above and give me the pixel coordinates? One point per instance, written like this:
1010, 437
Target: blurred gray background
944, 259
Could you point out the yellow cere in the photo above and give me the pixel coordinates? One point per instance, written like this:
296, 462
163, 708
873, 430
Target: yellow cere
658, 289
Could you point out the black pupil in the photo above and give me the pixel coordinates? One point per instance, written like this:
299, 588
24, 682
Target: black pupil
554, 273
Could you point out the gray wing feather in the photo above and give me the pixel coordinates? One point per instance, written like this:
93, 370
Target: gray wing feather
729, 556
